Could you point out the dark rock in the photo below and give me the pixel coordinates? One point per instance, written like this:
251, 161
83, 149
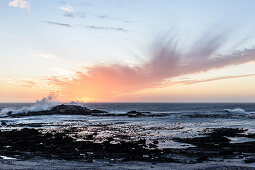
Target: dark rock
3, 123
144, 114
61, 109
226, 116
97, 111
110, 139
28, 143
202, 158
230, 132
152, 145
155, 142
69, 109
90, 137
134, 114
249, 160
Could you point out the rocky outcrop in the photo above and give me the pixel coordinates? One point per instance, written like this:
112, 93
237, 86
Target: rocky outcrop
62, 109
144, 114
68, 109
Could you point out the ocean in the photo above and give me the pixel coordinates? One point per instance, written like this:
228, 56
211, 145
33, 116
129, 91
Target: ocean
172, 121
156, 107
188, 118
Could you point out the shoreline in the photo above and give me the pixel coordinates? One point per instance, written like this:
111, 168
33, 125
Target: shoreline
81, 137
67, 144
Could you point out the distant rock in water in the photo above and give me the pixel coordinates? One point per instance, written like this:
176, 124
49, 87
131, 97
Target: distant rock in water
197, 115
134, 114
72, 109
62, 109
144, 114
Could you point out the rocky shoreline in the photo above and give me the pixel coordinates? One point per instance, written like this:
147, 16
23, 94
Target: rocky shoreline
27, 143
115, 143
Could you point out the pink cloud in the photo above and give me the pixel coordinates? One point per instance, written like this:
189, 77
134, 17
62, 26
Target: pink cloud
166, 61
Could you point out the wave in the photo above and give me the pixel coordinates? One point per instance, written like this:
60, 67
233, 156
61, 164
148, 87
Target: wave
236, 111
45, 103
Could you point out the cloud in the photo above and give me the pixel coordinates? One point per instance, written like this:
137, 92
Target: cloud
104, 16
56, 23
75, 3
67, 8
103, 82
75, 14
28, 83
21, 82
69, 15
210, 79
49, 56
104, 28
86, 26
20, 4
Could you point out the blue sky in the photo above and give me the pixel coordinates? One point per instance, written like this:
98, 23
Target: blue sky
55, 37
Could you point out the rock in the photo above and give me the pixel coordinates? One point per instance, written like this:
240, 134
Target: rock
69, 109
63, 109
249, 160
97, 111
155, 142
28, 143
90, 137
144, 114
134, 114
202, 158
3, 123
226, 116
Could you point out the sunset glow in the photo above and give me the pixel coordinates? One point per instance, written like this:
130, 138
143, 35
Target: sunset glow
90, 52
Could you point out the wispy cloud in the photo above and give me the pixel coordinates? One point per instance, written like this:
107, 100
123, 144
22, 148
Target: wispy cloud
107, 17
75, 3
69, 15
75, 14
167, 61
28, 83
21, 82
104, 28
188, 81
67, 8
20, 4
104, 16
57, 23
92, 27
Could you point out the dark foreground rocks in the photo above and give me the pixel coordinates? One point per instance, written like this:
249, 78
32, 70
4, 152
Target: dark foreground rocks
214, 145
217, 144
27, 143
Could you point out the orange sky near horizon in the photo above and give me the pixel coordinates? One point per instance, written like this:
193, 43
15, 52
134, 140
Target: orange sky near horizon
227, 89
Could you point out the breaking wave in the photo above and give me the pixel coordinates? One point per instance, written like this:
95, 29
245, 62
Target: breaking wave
45, 103
236, 111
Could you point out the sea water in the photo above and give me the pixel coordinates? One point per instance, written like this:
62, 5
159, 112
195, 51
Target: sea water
177, 123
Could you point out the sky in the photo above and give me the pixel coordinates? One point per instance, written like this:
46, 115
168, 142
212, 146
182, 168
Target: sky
127, 50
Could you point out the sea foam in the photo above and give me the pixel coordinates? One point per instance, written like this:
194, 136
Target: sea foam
236, 111
45, 103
